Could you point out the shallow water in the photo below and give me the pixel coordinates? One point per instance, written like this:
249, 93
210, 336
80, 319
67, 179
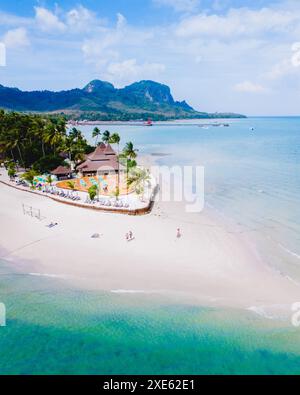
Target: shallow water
52, 329
252, 178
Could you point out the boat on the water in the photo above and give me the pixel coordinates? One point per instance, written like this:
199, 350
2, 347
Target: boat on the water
148, 123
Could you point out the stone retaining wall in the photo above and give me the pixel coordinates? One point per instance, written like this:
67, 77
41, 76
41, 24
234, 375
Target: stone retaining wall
139, 211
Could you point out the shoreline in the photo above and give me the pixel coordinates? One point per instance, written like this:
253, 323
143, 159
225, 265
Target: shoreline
209, 265
138, 211
135, 205
172, 122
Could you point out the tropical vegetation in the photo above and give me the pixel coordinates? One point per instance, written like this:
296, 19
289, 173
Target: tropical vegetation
139, 178
92, 191
39, 142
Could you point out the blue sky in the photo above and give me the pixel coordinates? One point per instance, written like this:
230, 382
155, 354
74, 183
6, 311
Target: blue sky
219, 55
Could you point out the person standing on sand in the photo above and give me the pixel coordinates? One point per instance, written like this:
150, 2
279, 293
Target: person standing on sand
178, 235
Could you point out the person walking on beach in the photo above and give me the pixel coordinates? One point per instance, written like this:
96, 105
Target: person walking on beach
129, 236
178, 235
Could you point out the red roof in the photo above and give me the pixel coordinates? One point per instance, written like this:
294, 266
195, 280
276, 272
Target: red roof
99, 152
61, 171
103, 157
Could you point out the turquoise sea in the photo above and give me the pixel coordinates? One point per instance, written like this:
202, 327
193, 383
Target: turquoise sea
252, 180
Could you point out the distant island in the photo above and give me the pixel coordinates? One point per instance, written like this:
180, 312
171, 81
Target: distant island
101, 101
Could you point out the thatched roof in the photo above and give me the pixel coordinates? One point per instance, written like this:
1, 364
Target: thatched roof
103, 158
61, 171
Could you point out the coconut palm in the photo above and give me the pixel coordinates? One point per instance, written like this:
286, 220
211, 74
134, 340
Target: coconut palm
96, 134
115, 139
14, 140
129, 151
139, 178
53, 136
106, 137
39, 131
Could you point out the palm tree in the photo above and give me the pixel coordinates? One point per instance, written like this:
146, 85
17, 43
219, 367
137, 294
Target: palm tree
130, 154
96, 134
129, 151
14, 140
53, 136
106, 136
139, 178
115, 139
38, 130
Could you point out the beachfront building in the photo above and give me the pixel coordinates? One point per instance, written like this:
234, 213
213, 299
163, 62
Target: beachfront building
62, 172
103, 161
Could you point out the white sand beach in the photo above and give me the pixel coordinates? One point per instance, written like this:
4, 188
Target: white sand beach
207, 265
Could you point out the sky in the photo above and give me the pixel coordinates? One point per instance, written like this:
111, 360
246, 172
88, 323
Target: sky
219, 55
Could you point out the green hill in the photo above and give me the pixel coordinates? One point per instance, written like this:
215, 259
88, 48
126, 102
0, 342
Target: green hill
100, 100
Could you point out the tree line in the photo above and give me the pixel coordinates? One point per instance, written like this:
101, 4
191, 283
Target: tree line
42, 143
39, 142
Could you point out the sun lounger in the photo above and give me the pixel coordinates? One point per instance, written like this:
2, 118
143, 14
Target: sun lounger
52, 225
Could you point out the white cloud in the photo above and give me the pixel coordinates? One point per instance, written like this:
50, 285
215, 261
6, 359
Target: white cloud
129, 70
16, 38
240, 22
179, 5
100, 50
121, 21
288, 65
108, 44
82, 19
106, 41
47, 21
249, 87
7, 19
197, 55
295, 60
2, 55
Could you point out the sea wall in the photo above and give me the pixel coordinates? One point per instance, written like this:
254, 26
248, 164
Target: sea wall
116, 210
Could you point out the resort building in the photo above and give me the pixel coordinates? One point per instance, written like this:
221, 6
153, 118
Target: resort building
62, 172
102, 161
